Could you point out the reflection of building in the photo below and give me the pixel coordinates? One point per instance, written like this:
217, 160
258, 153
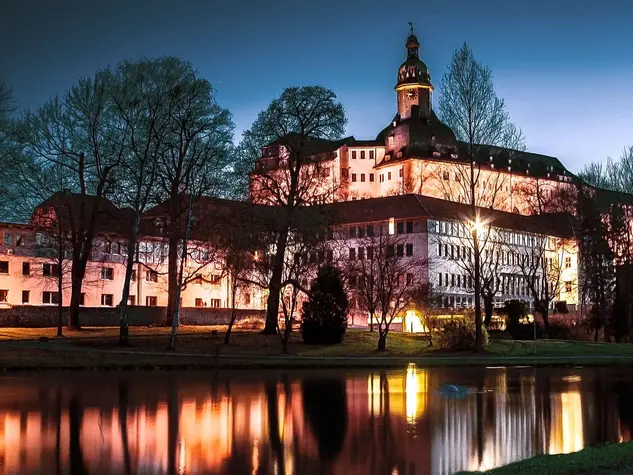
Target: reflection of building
394, 422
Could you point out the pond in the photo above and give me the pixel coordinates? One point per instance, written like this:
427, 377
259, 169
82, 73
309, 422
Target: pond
396, 422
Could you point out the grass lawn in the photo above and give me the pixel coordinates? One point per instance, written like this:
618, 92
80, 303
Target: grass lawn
199, 339
607, 460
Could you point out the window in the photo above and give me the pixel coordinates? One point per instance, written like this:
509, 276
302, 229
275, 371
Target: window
8, 239
401, 172
215, 279
247, 299
568, 287
439, 279
400, 227
382, 177
4, 296
445, 175
361, 232
453, 280
215, 303
391, 251
361, 253
82, 298
371, 177
362, 177
390, 140
26, 296
107, 273
370, 230
352, 253
354, 154
353, 176
50, 297
567, 262
409, 278
352, 232
371, 154
131, 300
4, 267
26, 268
392, 226
362, 154
133, 276
107, 300
151, 301
409, 227
388, 175
400, 250
439, 249
19, 240
50, 270
199, 303
370, 252
409, 250
151, 276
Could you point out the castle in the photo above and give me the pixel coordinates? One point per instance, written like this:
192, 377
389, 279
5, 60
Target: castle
407, 183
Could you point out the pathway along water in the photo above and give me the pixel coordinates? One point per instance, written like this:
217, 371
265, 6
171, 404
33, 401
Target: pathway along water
414, 421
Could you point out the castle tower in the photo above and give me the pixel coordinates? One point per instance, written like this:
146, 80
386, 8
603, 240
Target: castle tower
414, 86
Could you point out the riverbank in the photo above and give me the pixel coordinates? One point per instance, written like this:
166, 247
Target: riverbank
200, 348
607, 460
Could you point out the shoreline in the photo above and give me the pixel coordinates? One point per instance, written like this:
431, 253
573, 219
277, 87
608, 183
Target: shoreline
112, 361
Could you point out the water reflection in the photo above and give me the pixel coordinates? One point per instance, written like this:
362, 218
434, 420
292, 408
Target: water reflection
381, 422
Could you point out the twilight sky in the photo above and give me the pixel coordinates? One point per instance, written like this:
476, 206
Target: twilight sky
565, 68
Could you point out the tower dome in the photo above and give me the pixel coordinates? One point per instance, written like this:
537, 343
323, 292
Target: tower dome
413, 70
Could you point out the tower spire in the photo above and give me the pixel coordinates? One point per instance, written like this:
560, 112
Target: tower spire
411, 27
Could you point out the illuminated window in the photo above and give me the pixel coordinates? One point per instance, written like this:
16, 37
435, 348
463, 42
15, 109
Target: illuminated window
568, 287
392, 226
567, 262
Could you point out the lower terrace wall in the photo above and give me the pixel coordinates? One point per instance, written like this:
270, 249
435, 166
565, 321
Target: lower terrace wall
29, 316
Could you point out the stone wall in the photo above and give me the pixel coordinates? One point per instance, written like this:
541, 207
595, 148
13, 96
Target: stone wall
46, 316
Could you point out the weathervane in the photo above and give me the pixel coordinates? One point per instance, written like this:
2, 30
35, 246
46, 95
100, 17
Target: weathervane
411, 26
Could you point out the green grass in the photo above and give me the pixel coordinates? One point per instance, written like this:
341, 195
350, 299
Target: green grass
97, 347
607, 460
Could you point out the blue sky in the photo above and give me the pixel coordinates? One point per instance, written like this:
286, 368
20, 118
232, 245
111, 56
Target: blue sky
565, 68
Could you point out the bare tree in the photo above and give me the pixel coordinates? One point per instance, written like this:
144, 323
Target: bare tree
384, 272
469, 105
143, 102
78, 133
295, 125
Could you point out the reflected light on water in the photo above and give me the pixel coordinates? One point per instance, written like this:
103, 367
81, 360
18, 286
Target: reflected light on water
352, 424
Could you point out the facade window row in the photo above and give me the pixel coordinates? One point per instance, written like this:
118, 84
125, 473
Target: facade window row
362, 177
362, 154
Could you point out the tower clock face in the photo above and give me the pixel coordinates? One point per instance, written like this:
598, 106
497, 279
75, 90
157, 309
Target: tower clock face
412, 93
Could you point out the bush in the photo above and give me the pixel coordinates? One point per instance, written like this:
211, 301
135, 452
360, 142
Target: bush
561, 307
459, 334
324, 315
249, 323
516, 311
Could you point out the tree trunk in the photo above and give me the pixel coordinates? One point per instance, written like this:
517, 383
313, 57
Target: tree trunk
77, 276
371, 321
172, 278
227, 336
60, 283
275, 443
124, 325
382, 340
274, 287
545, 316
488, 307
479, 337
